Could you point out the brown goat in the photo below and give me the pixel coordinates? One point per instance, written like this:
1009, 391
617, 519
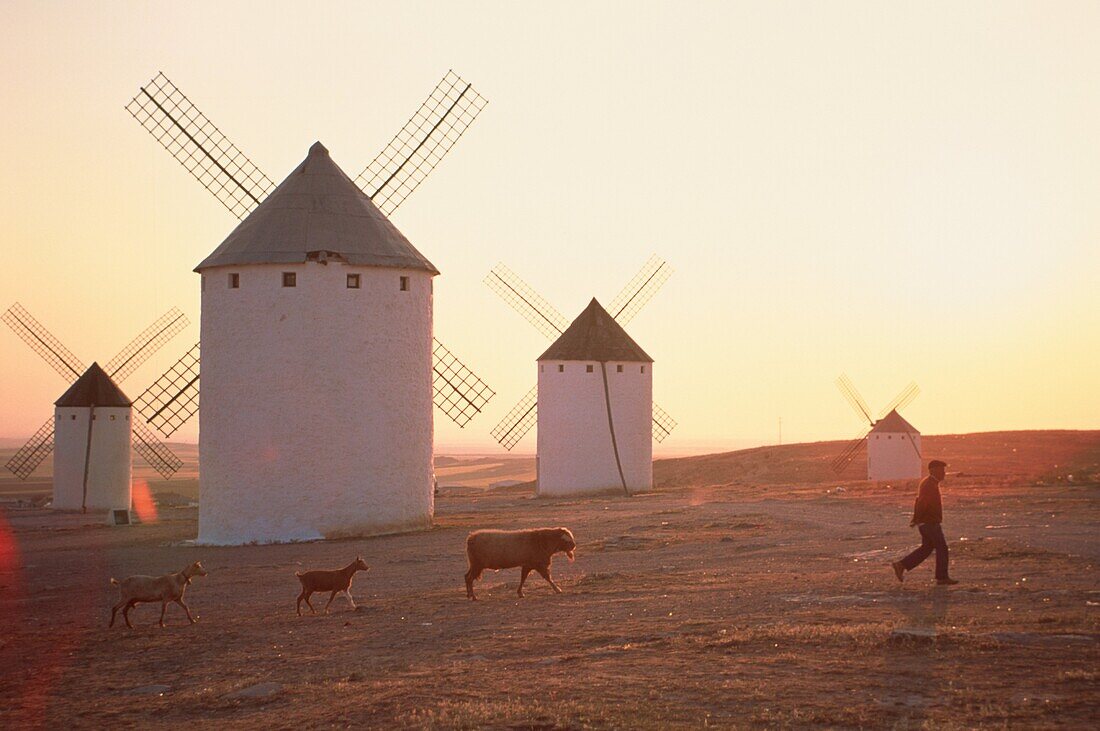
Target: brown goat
337, 581
530, 550
135, 590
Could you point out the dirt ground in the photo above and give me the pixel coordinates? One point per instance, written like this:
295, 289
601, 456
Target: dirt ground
745, 591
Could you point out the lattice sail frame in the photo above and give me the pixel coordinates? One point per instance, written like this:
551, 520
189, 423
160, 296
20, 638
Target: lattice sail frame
173, 398
30, 455
148, 342
545, 318
518, 421
197, 144
639, 290
849, 453
42, 342
422, 143
153, 451
457, 391
526, 301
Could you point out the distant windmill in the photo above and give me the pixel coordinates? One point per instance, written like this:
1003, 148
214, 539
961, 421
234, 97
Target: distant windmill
892, 443
319, 363
89, 465
569, 461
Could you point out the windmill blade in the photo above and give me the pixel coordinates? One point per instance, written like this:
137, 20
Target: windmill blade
848, 390
517, 422
663, 424
141, 348
31, 454
424, 140
903, 399
849, 453
198, 145
155, 452
43, 342
526, 301
173, 398
457, 391
640, 290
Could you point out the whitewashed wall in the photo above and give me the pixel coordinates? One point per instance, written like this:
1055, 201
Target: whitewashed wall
316, 416
109, 464
575, 454
891, 456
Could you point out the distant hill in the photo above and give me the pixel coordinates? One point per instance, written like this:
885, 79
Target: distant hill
1015, 455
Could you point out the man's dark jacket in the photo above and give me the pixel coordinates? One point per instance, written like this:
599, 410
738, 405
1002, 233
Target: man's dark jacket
928, 508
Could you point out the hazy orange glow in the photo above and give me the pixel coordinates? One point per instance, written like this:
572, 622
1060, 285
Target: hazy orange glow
144, 505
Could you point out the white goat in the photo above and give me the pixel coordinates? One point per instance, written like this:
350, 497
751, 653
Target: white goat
168, 588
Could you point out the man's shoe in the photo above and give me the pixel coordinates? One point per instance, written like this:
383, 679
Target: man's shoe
947, 582
899, 570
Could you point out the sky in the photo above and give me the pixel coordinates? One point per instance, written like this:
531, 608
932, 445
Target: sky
896, 191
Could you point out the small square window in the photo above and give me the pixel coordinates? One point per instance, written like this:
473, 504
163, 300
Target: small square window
112, 417
561, 369
404, 284
588, 369
619, 368
542, 368
643, 369
290, 279
73, 417
234, 280
353, 281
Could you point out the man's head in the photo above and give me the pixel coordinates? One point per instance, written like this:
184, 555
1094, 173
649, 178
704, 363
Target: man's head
937, 468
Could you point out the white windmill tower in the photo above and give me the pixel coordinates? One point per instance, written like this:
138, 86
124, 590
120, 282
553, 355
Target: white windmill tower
319, 364
92, 431
593, 403
892, 443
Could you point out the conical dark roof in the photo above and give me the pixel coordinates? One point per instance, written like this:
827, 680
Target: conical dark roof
595, 335
894, 423
317, 208
94, 388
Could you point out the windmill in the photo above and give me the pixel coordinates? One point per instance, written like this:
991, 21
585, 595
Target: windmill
84, 399
892, 443
597, 337
314, 424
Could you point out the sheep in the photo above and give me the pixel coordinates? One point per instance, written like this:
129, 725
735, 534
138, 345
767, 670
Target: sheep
337, 581
530, 550
135, 590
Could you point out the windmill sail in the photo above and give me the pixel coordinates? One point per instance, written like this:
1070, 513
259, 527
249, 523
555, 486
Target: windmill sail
173, 398
849, 453
902, 400
197, 144
141, 348
526, 301
420, 145
663, 424
518, 421
41, 341
457, 391
848, 390
639, 290
154, 452
31, 454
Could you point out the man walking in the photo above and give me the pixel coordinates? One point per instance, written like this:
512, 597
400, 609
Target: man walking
927, 516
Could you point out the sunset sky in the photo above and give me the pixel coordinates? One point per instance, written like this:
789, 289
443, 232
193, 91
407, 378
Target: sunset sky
898, 191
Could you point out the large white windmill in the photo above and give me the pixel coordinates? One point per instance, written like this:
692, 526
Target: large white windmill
593, 402
319, 366
91, 431
892, 443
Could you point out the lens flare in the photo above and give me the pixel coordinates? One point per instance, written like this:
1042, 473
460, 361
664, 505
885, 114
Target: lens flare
144, 505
